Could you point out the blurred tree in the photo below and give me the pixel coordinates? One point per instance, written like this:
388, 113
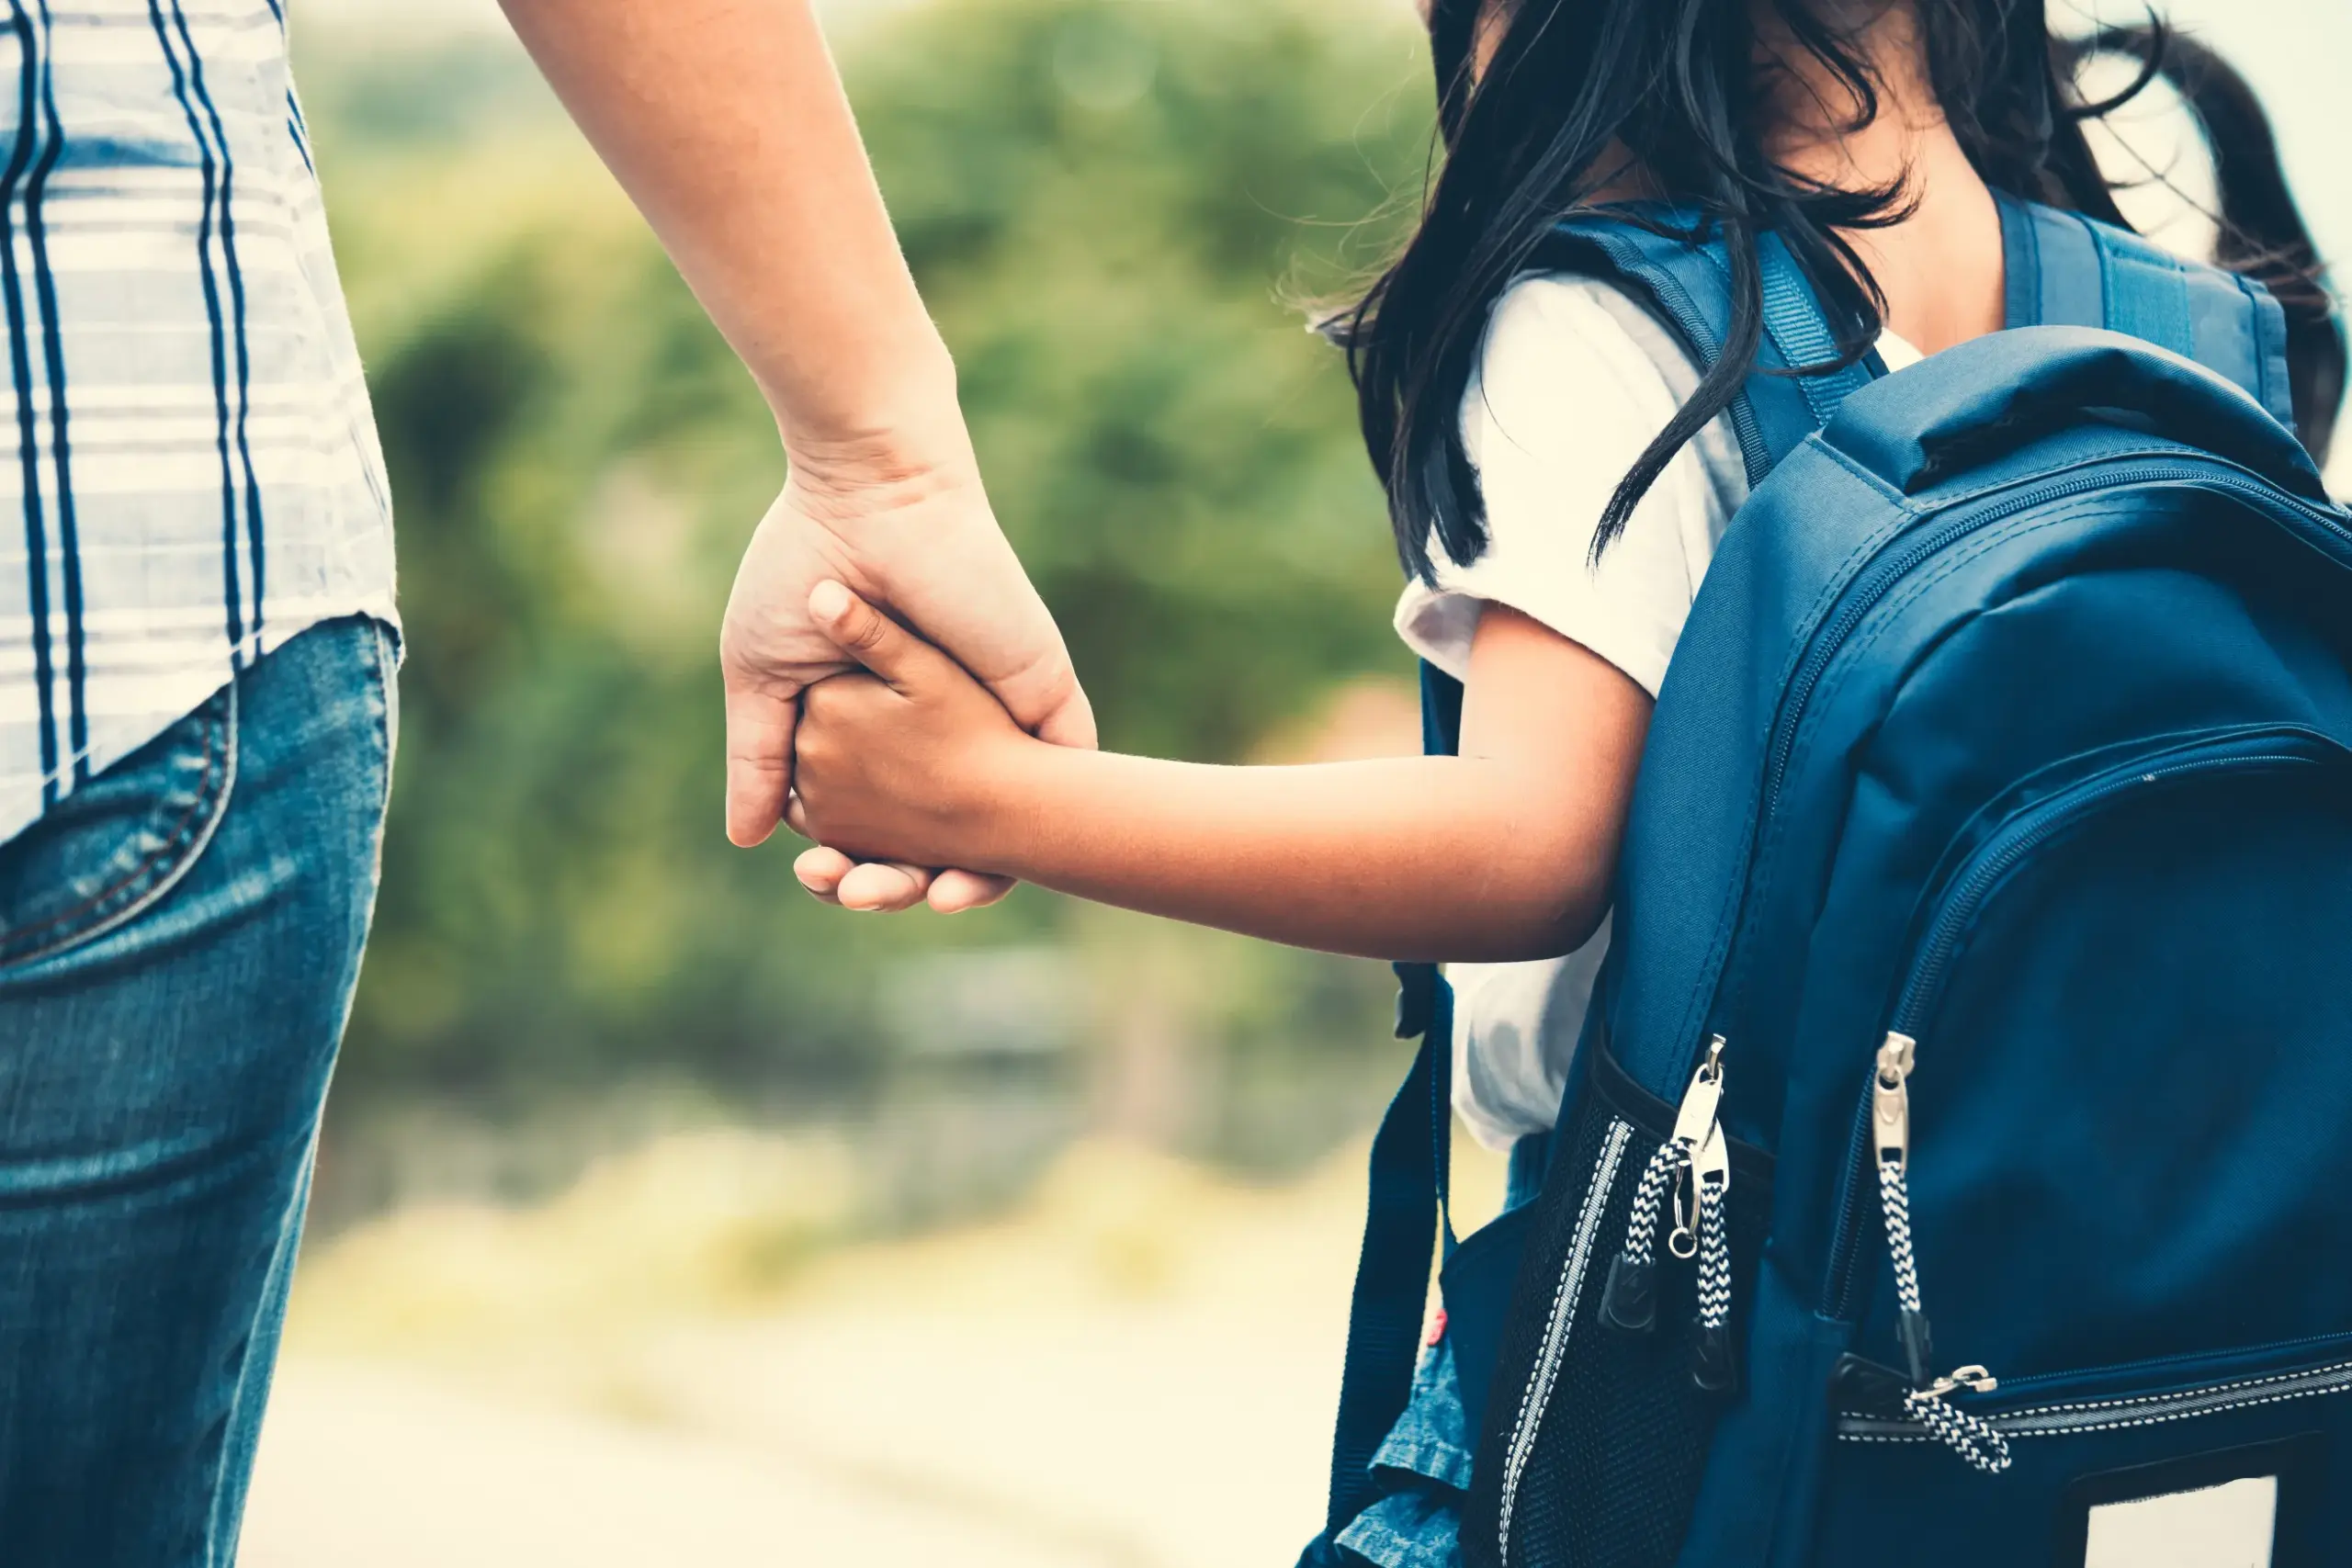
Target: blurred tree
1115, 208
1111, 206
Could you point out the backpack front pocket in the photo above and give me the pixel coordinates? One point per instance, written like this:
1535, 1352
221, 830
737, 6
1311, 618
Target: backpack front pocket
2104, 1128
2219, 1461
1597, 1430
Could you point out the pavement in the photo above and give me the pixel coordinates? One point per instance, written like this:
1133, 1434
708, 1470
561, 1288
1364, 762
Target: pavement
1139, 1373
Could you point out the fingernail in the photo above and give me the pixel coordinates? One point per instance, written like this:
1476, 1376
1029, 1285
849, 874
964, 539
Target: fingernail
828, 600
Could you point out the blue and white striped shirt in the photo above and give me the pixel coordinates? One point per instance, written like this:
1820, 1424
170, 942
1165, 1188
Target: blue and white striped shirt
195, 474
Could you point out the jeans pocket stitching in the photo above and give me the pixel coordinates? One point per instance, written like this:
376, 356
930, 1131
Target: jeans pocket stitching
385, 642
161, 871
388, 665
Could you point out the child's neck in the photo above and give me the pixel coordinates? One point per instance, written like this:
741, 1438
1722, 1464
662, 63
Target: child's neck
1940, 267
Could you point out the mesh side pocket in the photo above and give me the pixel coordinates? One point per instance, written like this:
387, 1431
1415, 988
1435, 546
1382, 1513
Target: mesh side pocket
1595, 1439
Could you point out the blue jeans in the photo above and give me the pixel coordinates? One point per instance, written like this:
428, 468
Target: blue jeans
1425, 1460
179, 945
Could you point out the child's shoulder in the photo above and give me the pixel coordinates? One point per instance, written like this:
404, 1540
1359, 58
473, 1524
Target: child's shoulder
1562, 336
1577, 365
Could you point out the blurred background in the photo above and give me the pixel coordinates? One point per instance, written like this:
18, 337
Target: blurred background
665, 1216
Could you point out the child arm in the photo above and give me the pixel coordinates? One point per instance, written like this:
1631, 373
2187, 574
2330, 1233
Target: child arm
1503, 852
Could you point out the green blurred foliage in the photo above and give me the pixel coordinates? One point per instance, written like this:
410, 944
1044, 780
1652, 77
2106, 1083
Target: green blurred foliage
1118, 256
1113, 207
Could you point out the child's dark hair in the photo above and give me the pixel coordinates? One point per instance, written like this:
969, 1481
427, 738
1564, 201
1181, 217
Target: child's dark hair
1676, 84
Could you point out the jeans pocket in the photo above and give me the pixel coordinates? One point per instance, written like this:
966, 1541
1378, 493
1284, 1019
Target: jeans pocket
114, 846
1424, 1465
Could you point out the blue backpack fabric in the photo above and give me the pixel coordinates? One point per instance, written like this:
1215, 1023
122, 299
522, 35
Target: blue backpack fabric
1962, 1140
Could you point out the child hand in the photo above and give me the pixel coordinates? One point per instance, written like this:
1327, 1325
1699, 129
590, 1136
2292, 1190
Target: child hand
907, 763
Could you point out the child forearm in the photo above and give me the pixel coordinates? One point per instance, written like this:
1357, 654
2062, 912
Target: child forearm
1440, 857
1504, 853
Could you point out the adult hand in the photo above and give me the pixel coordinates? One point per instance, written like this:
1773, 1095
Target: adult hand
905, 525
727, 124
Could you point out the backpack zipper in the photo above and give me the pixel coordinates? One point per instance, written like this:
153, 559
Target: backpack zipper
1701, 1222
2069, 1418
1881, 575
1881, 1134
1536, 1397
1629, 1300
1925, 1400
1877, 577
1693, 1164
1929, 973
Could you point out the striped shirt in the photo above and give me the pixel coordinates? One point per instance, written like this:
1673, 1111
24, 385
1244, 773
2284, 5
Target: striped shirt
196, 475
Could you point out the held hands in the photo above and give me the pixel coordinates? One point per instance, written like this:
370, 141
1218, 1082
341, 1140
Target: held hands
918, 535
913, 762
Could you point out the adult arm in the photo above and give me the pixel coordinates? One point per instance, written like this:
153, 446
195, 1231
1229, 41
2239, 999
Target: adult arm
1503, 852
726, 122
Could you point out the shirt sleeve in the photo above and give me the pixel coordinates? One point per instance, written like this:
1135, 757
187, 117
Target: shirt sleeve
1573, 384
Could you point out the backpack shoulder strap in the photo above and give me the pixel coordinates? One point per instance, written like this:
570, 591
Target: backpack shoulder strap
2066, 270
1407, 1209
2063, 269
1666, 261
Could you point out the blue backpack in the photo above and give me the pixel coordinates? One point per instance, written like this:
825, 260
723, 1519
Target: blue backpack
1961, 1147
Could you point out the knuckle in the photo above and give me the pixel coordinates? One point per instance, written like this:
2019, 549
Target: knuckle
824, 700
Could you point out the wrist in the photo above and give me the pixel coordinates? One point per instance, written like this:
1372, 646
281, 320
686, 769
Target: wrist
1012, 787
906, 433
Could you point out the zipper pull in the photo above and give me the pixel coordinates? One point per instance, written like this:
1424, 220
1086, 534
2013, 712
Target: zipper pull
1970, 1437
1860, 1387
1973, 1437
1694, 1123
1629, 1300
1702, 1099
1890, 1137
1975, 1380
1891, 1099
1714, 1366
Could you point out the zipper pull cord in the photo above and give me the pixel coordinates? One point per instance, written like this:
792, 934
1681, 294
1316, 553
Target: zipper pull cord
1895, 1202
1970, 1437
1713, 1366
1973, 1437
1629, 1299
1890, 1138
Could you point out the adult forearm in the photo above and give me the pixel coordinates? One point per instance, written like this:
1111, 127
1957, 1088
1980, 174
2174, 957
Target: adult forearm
1403, 858
726, 122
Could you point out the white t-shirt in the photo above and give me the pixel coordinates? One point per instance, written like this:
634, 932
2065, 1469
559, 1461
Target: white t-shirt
1574, 381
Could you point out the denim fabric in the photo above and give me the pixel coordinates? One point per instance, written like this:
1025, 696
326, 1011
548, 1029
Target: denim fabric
1425, 1460
1425, 1466
178, 943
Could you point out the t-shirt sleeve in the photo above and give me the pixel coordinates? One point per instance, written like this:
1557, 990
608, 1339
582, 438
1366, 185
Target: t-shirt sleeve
1572, 385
